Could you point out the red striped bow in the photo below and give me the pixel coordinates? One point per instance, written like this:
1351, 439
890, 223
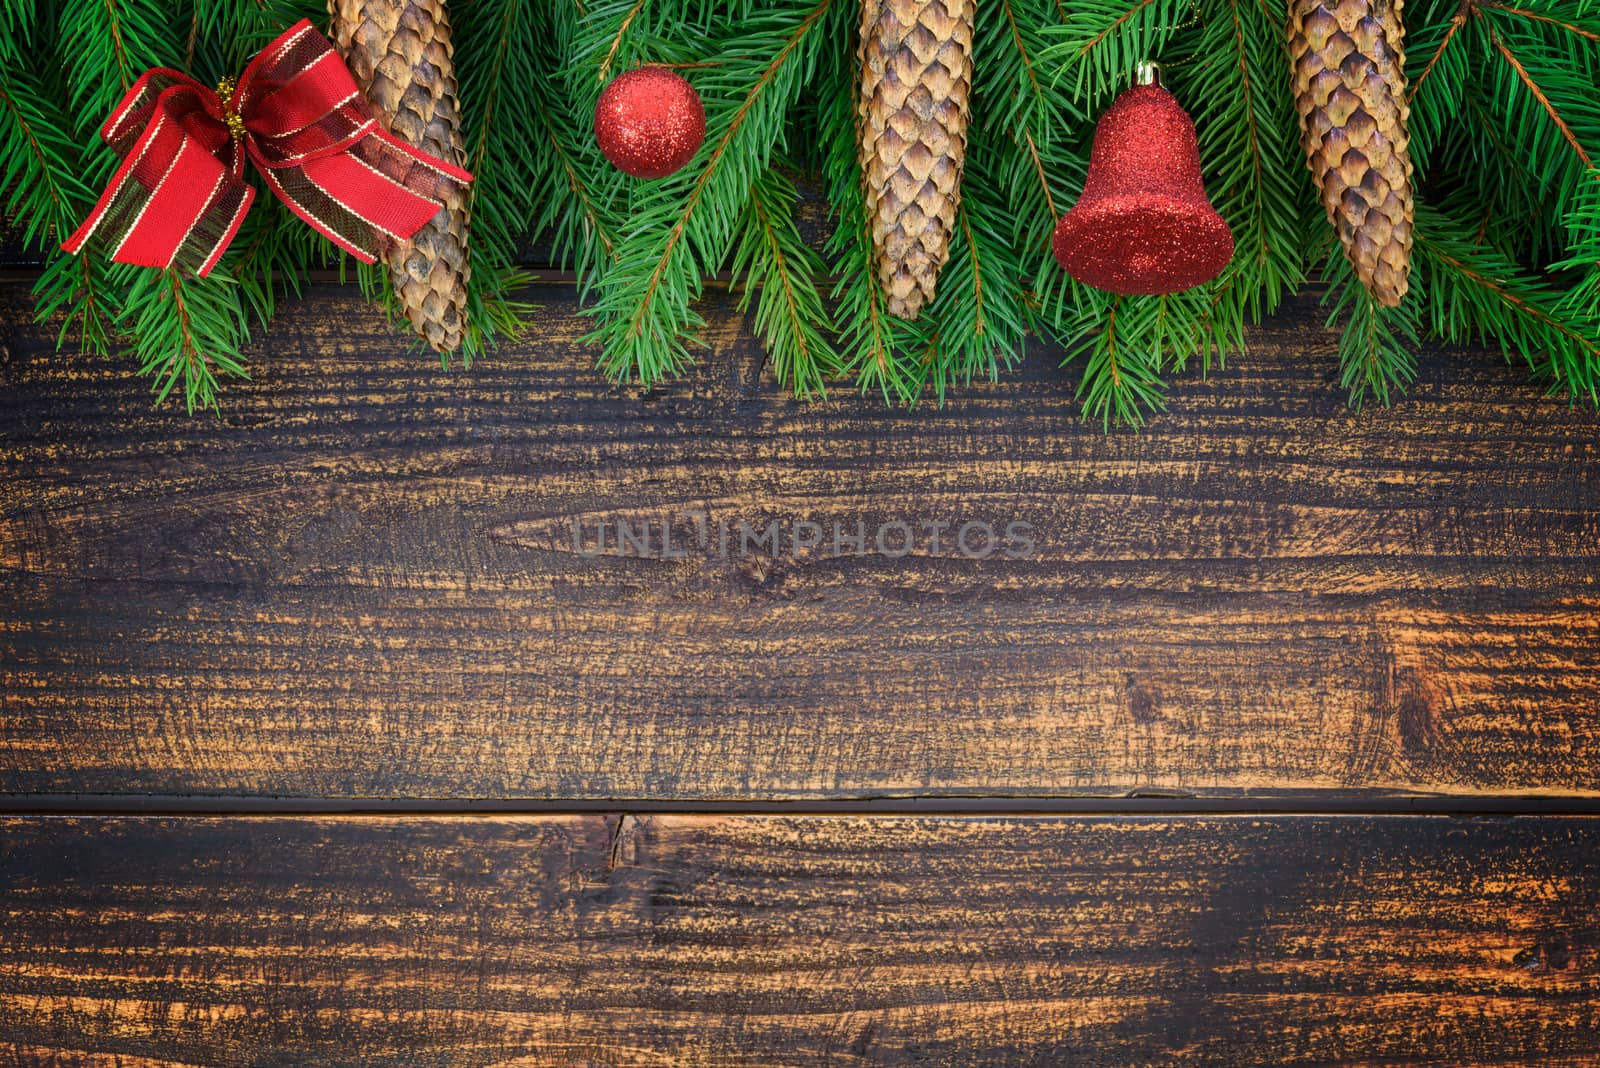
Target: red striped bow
180, 194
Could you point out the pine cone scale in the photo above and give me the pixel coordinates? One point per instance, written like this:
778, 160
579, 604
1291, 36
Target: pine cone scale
399, 52
1347, 69
916, 79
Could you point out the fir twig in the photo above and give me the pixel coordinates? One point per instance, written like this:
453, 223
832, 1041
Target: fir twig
187, 332
1248, 142
773, 261
39, 167
1122, 371
1476, 294
80, 291
1540, 95
105, 45
1375, 341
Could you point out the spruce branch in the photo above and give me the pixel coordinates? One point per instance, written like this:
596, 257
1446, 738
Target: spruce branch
1257, 179
1541, 97
498, 49
80, 292
1581, 303
185, 331
1505, 132
1039, 172
1029, 142
1437, 52
105, 45
1021, 96
1116, 336
373, 280
609, 37
494, 313
266, 259
1035, 89
603, 72
579, 213
1375, 341
1436, 95
1031, 127
1102, 41
17, 21
240, 28
772, 260
1476, 294
1524, 83
980, 313
583, 205
1129, 343
1570, 26
39, 166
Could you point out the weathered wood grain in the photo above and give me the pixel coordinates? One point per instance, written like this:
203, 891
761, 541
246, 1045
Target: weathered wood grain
361, 581
684, 940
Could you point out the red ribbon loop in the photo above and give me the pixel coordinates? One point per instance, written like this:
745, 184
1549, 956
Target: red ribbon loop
180, 194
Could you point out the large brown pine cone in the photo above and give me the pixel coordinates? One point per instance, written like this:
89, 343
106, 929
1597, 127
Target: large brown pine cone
399, 51
916, 78
1350, 90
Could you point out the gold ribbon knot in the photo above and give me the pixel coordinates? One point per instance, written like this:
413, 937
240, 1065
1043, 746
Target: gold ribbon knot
233, 119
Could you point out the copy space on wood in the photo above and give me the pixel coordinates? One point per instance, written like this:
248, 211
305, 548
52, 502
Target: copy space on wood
360, 580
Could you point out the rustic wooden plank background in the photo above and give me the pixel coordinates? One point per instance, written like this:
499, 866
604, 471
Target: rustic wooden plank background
532, 941
360, 581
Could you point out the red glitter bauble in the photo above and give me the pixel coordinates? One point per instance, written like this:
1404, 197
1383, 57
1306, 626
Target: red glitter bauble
1143, 224
649, 122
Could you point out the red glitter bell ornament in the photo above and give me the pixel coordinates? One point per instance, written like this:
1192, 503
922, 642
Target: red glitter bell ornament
1143, 224
649, 122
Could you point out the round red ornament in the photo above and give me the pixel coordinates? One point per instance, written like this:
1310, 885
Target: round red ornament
649, 122
1144, 224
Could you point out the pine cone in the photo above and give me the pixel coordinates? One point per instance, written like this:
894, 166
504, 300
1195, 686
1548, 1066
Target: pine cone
916, 77
399, 51
1350, 90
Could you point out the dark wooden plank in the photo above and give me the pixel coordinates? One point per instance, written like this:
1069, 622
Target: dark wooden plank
361, 580
523, 941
